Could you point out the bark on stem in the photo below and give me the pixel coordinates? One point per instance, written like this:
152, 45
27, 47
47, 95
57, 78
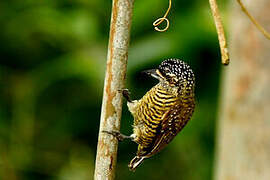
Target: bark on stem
220, 31
114, 81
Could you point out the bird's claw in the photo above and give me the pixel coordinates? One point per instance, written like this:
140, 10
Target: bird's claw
126, 94
117, 135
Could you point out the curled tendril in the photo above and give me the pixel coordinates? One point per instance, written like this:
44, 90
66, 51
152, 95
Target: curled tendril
159, 21
164, 18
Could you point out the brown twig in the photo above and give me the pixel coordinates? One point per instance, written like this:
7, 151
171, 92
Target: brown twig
253, 20
157, 22
220, 32
114, 81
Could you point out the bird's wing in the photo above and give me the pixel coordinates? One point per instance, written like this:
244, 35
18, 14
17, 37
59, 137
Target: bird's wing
172, 122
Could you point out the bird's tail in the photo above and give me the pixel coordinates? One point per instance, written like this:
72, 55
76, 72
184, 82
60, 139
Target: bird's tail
135, 162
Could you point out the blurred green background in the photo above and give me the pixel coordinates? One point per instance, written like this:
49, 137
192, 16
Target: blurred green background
52, 66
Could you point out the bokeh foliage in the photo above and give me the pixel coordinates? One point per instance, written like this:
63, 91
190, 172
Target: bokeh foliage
52, 66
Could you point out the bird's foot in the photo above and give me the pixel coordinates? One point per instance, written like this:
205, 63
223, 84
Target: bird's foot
126, 94
118, 135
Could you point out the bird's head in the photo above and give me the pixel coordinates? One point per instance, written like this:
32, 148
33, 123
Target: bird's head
174, 72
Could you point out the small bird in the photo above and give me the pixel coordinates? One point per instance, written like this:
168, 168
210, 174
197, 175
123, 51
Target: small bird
163, 111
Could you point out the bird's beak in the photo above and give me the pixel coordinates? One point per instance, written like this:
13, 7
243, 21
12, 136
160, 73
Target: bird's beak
154, 73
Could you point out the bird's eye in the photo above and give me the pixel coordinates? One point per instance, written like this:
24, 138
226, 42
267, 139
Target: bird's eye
173, 80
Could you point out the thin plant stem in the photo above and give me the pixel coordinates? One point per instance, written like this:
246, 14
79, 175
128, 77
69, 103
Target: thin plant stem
220, 31
114, 81
253, 20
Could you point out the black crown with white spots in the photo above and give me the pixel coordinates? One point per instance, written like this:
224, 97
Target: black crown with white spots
178, 68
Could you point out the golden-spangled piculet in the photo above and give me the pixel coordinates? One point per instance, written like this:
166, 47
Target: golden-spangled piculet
163, 111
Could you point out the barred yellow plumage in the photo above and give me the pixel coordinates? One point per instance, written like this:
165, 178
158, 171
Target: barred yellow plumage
163, 111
